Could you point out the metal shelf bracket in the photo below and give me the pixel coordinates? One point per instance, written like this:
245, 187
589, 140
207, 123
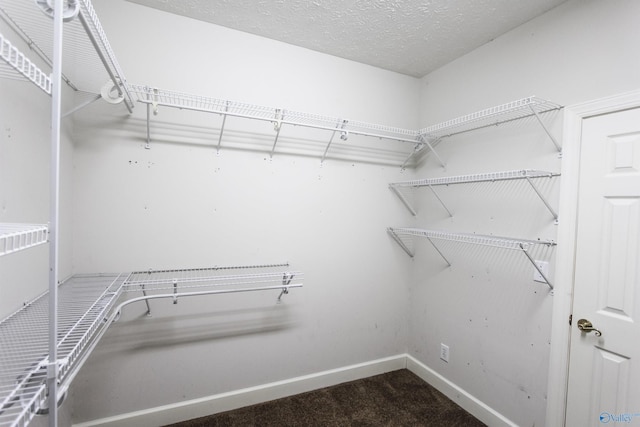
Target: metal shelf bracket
551, 137
224, 121
277, 126
532, 261
399, 241
403, 199
339, 126
544, 199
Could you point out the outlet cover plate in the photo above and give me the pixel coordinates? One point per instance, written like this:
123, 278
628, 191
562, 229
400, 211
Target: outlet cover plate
544, 266
444, 352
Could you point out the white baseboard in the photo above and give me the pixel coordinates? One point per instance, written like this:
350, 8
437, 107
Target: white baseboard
201, 407
469, 403
204, 406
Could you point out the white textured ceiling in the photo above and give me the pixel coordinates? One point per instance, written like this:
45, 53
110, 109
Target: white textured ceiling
412, 37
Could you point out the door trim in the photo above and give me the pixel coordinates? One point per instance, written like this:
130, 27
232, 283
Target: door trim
557, 385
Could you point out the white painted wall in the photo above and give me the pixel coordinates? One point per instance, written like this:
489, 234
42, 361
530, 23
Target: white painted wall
494, 318
179, 204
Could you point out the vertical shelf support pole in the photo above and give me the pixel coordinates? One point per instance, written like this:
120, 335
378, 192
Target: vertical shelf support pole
54, 209
400, 242
440, 200
553, 140
532, 261
544, 200
224, 120
403, 199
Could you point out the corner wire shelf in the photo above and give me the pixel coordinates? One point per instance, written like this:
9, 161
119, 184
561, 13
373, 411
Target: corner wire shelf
16, 237
211, 281
515, 110
87, 306
84, 37
474, 239
22, 65
526, 174
155, 97
84, 303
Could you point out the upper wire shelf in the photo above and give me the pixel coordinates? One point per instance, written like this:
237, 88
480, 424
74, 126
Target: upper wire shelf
510, 111
84, 302
22, 65
515, 110
475, 239
161, 97
341, 127
16, 237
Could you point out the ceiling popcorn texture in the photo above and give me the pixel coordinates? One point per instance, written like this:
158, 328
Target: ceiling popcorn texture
412, 37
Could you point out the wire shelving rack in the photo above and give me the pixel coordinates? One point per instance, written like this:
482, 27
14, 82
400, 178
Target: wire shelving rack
401, 234
525, 174
16, 237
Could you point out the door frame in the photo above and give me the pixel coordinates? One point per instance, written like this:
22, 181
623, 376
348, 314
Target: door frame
566, 249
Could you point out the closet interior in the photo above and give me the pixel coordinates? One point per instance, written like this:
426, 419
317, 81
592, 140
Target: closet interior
40, 357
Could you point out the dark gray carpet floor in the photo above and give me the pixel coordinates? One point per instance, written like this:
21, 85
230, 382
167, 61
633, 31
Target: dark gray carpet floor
398, 398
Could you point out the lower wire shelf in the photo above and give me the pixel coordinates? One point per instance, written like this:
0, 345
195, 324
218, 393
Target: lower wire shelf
510, 243
86, 307
83, 304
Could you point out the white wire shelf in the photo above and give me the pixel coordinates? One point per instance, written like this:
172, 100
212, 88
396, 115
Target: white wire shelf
22, 65
182, 282
526, 174
16, 237
155, 97
510, 111
89, 61
84, 303
480, 177
515, 110
474, 239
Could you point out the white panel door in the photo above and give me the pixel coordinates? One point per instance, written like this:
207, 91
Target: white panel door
604, 371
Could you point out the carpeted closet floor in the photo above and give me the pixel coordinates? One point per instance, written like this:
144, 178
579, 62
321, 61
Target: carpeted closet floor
398, 398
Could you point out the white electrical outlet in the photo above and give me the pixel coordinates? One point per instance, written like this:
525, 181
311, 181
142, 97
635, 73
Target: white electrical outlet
544, 267
444, 352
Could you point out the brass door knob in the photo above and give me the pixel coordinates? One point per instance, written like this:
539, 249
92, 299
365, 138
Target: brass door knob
585, 326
